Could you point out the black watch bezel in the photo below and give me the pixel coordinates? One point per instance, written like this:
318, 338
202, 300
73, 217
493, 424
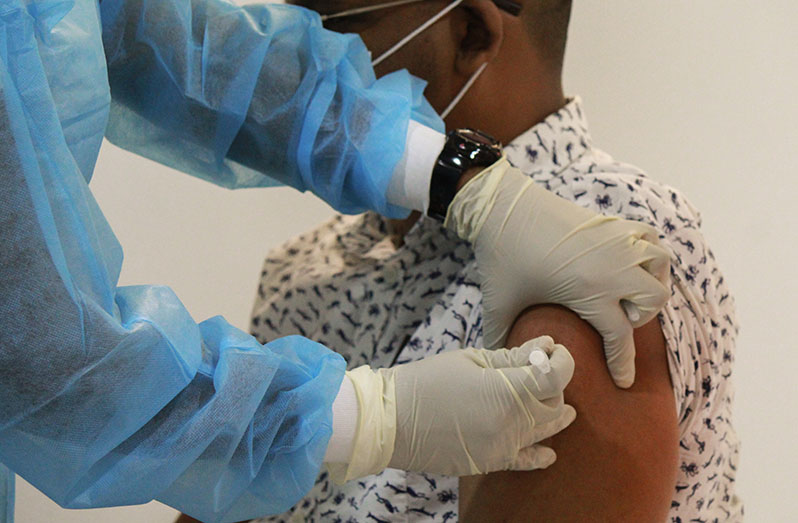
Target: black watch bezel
464, 149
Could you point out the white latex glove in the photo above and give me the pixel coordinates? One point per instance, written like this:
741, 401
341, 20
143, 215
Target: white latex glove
462, 412
533, 247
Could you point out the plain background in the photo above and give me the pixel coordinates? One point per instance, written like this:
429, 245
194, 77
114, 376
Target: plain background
700, 94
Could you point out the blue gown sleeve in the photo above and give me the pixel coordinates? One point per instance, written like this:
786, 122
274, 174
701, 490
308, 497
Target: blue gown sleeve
6, 495
258, 95
114, 395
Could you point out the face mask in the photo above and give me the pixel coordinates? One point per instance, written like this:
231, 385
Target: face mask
508, 6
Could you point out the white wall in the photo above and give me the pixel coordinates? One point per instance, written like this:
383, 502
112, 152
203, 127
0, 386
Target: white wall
700, 94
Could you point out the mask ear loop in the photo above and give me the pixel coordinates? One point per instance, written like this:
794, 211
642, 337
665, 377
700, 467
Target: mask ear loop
416, 32
464, 90
367, 9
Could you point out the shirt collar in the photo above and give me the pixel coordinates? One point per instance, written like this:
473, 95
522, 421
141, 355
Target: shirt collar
552, 145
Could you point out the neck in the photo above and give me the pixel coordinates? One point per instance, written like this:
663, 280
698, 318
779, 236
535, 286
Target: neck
511, 99
518, 110
398, 228
514, 107
519, 89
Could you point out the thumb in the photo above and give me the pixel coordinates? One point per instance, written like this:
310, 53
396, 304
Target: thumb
656, 261
544, 431
619, 346
646, 294
534, 457
499, 309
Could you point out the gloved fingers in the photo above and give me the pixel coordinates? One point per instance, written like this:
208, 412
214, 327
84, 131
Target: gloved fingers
521, 405
547, 430
534, 457
656, 260
645, 297
551, 384
494, 330
499, 311
644, 231
562, 364
518, 356
532, 385
553, 428
619, 345
649, 234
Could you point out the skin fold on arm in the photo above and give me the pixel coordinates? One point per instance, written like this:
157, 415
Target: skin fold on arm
617, 462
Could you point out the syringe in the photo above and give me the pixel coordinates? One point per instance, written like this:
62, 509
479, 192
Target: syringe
540, 360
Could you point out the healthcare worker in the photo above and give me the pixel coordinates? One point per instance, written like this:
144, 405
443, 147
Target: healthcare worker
114, 395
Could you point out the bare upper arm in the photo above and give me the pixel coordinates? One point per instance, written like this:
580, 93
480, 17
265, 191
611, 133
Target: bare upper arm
616, 462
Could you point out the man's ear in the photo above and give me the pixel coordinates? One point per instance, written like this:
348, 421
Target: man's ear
480, 36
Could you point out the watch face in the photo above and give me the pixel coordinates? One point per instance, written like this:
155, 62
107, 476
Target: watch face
464, 148
479, 137
479, 148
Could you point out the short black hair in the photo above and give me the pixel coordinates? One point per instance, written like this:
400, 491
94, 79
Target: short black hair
547, 22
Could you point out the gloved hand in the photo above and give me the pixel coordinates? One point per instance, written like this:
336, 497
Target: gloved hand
533, 247
463, 412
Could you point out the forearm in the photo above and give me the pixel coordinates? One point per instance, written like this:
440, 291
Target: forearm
114, 395
617, 462
137, 422
257, 95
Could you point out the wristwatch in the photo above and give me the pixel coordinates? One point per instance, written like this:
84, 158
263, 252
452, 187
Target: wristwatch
464, 149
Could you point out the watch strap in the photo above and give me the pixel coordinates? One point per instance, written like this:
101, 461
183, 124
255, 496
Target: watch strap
443, 186
464, 149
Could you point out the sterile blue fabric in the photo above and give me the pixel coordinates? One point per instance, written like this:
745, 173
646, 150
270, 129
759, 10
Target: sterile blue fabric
256, 96
6, 495
114, 395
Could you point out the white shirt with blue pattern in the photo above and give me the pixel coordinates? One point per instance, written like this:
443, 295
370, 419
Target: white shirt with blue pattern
347, 286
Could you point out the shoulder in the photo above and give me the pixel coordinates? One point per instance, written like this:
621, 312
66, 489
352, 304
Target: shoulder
635, 485
598, 182
700, 315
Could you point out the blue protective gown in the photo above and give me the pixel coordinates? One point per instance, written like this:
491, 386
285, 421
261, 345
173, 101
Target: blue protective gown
114, 395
